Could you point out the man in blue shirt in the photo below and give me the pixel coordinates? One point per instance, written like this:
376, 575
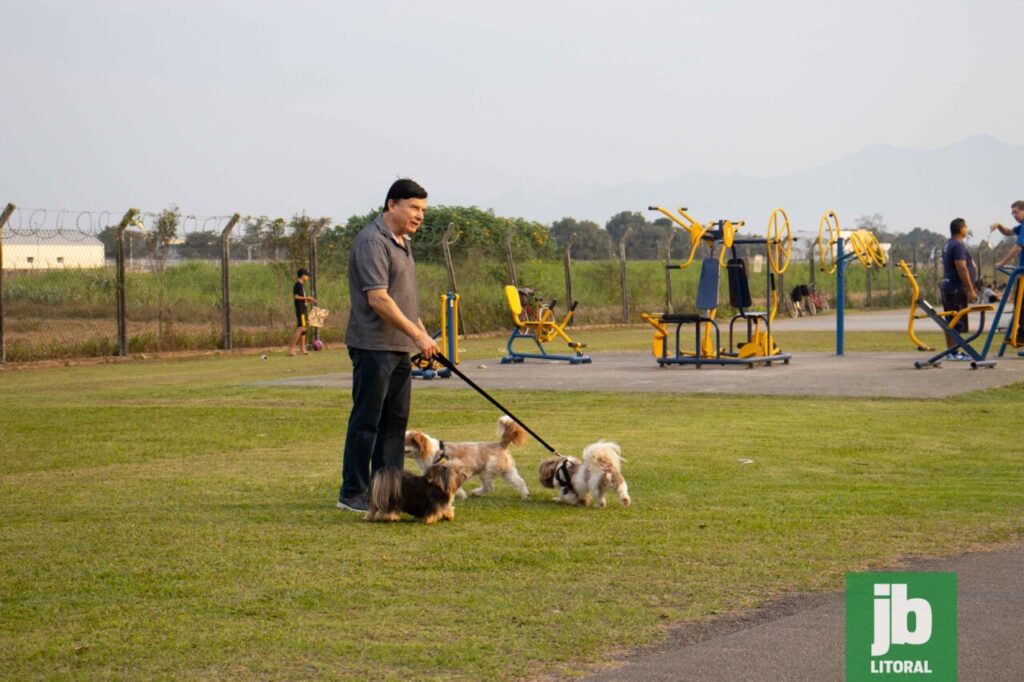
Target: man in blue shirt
1017, 252
958, 276
1017, 210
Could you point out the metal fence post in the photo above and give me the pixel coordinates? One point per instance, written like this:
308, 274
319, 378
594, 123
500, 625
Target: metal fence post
225, 282
4, 217
122, 323
810, 261
667, 245
313, 234
622, 273
867, 285
567, 261
508, 255
888, 267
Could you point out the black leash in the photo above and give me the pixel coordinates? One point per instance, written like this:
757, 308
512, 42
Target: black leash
442, 360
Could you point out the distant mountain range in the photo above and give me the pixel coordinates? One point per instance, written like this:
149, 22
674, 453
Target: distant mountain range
977, 179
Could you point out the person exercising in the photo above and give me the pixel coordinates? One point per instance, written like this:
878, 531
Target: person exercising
958, 275
1017, 252
1017, 211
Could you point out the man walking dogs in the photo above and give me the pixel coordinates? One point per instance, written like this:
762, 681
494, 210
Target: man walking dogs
384, 327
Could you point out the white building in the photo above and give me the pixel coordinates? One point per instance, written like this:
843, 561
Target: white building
49, 249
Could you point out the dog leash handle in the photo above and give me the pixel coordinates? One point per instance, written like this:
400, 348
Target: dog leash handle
445, 362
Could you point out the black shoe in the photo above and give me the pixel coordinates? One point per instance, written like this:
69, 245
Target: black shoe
355, 504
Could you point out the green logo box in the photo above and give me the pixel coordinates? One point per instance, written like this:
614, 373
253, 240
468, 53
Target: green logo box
900, 626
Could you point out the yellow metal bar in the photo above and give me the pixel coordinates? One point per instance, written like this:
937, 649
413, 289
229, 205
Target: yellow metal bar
915, 291
672, 216
1016, 342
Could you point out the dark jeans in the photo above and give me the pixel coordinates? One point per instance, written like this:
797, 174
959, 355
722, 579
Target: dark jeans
381, 387
952, 301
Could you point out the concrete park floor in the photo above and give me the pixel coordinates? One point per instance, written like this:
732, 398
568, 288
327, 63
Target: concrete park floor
816, 374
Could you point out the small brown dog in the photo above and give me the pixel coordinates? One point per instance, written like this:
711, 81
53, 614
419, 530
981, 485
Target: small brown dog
428, 497
578, 482
487, 460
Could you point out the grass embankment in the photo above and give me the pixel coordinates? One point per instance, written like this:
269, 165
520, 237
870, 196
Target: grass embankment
72, 313
170, 520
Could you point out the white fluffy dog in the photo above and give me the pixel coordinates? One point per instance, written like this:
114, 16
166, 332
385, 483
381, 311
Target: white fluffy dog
577, 482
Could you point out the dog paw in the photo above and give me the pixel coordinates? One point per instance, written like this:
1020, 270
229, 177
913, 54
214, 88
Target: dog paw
626, 501
478, 492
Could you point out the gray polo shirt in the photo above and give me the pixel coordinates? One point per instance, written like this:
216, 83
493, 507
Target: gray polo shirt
377, 261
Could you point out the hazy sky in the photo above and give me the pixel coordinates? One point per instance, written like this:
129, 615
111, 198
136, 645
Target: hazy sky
281, 107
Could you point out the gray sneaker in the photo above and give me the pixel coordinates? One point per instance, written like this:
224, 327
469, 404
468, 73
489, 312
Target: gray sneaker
354, 504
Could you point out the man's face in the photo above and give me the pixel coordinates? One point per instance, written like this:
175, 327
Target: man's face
407, 215
1018, 214
963, 231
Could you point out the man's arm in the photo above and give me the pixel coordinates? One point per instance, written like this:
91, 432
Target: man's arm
999, 226
1014, 252
388, 310
965, 277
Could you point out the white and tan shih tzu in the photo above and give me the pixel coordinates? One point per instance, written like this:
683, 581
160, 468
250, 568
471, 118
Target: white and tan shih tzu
578, 482
486, 460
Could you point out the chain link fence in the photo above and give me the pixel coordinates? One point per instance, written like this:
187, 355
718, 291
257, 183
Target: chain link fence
116, 282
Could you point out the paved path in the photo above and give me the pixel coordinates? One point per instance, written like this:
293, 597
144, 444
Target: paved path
868, 321
802, 638
859, 321
819, 374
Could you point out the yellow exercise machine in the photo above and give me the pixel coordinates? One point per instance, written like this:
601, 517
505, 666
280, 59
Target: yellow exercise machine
947, 321
834, 258
448, 340
535, 321
720, 237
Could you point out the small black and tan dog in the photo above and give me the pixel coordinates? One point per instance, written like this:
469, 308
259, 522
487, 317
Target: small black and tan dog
428, 497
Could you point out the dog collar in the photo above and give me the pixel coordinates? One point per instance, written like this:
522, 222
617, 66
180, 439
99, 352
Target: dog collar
440, 456
563, 477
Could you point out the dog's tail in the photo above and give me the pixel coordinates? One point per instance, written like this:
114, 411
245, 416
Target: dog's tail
604, 454
386, 490
608, 457
510, 433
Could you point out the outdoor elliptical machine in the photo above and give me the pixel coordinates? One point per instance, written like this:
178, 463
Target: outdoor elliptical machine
758, 345
448, 335
947, 322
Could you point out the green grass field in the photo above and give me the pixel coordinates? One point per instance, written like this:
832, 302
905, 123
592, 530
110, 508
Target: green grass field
172, 519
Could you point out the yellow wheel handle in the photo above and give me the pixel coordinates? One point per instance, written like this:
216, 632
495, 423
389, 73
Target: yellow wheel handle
728, 233
779, 241
877, 252
830, 222
858, 242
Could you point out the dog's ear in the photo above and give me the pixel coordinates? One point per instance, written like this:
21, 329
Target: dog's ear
437, 475
456, 477
459, 474
419, 441
547, 472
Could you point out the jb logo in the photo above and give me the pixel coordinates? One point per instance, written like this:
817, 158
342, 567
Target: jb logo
900, 625
892, 618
